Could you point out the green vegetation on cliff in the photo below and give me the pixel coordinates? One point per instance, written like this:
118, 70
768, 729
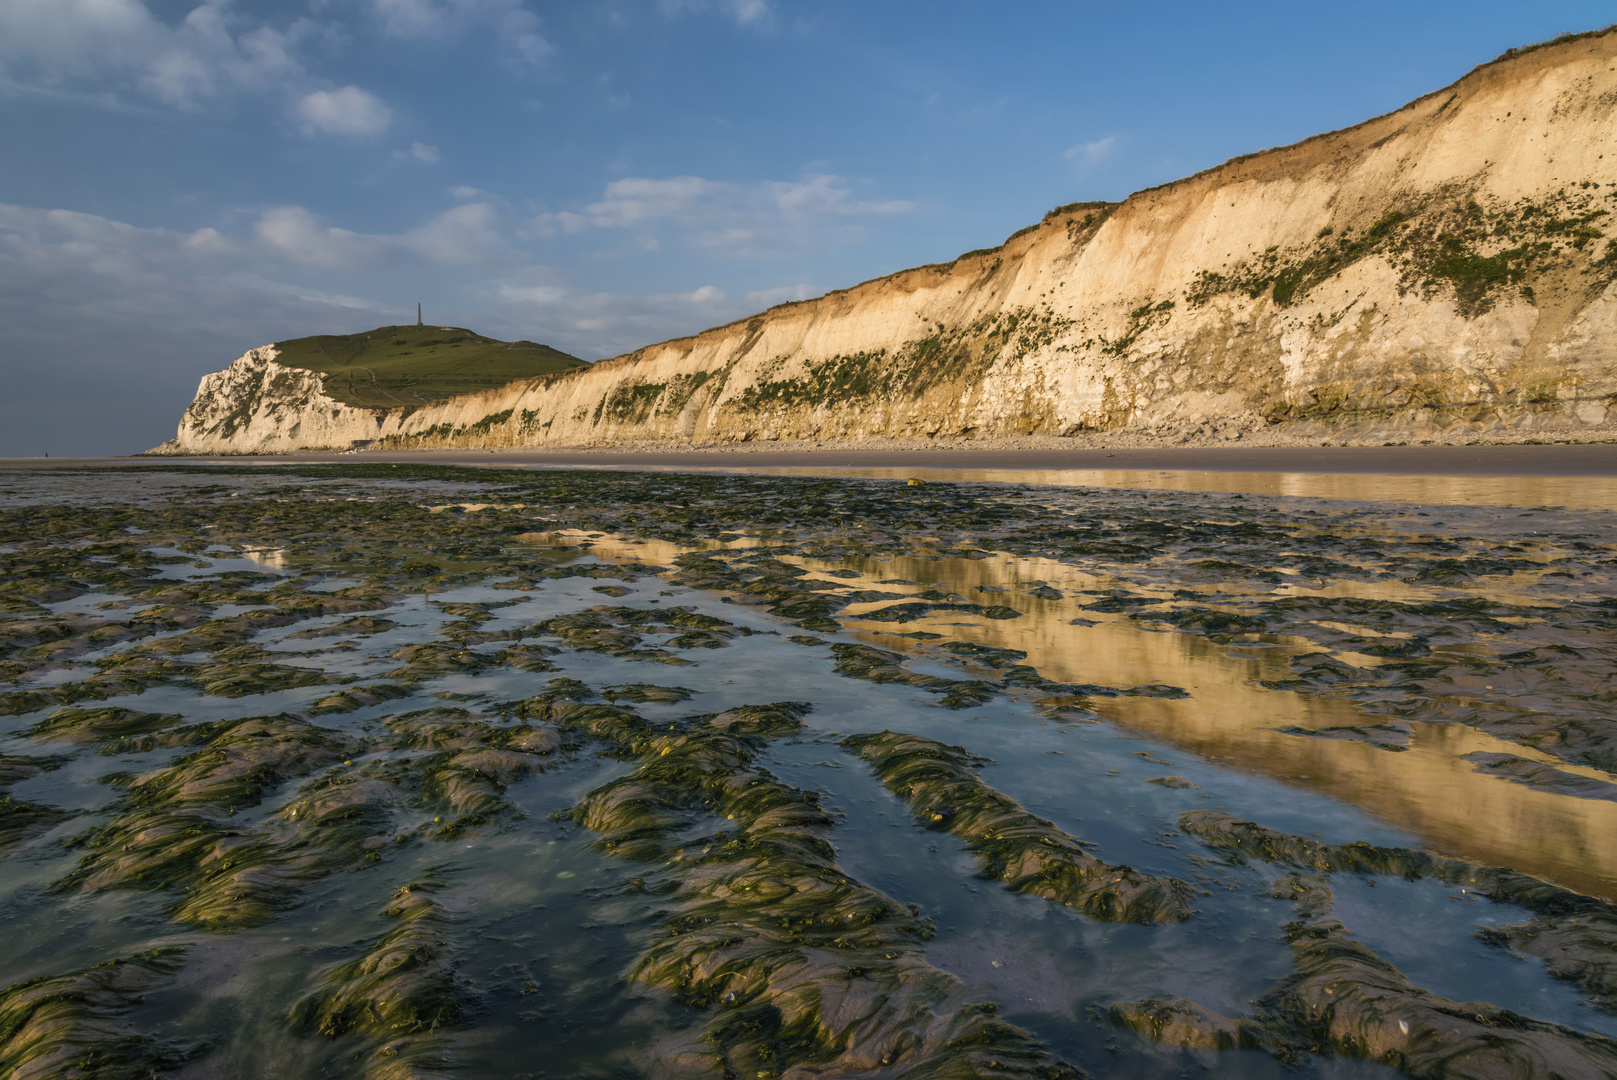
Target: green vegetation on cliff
413, 365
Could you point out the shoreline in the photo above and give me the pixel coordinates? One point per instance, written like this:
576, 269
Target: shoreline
1504, 460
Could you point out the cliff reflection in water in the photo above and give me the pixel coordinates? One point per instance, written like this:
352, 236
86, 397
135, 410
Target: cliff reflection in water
1411, 773
1573, 492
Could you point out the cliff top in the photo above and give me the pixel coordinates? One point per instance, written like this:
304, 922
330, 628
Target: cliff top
413, 365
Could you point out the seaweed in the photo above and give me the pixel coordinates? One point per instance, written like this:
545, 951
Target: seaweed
358, 697
402, 992
91, 725
880, 666
1342, 999
1575, 935
799, 966
68, 1026
621, 631
173, 825
1029, 854
20, 820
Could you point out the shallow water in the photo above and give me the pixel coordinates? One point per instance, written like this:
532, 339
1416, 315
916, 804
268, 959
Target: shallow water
1309, 664
1571, 492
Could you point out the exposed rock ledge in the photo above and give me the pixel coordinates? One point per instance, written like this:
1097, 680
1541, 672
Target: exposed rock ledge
1444, 272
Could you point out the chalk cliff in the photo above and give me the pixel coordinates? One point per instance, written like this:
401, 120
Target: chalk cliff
1451, 263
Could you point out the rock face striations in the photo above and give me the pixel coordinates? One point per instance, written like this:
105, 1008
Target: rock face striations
1451, 263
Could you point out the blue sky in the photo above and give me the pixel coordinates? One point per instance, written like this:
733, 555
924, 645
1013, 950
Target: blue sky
183, 181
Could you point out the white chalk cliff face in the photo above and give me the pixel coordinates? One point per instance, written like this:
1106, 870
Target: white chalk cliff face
1453, 261
258, 406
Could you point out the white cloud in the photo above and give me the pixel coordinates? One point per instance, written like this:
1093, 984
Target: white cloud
463, 192
296, 234
745, 12
608, 324
419, 152
1087, 155
516, 27
50, 241
748, 11
63, 269
635, 199
349, 111
530, 294
118, 46
462, 236
748, 219
117, 51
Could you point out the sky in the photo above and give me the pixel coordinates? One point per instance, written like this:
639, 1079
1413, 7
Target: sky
183, 181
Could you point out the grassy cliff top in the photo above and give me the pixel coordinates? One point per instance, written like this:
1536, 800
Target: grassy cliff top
394, 366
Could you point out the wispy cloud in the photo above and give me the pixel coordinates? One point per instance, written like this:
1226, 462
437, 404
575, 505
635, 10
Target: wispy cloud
765, 218
1087, 155
466, 235
744, 12
420, 153
516, 27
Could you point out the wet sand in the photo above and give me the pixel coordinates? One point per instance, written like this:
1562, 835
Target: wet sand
1582, 460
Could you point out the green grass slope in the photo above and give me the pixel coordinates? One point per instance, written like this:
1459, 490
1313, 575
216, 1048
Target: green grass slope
395, 366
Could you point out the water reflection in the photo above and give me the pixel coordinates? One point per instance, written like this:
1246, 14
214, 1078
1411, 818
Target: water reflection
1572, 492
1426, 788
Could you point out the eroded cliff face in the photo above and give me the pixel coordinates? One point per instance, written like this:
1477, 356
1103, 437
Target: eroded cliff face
259, 406
1450, 263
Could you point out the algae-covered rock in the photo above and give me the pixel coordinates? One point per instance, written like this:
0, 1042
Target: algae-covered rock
20, 820
470, 784
1344, 1000
562, 689
1576, 935
1178, 1022
358, 626
642, 693
358, 697
806, 971
1028, 853
527, 657
759, 577
174, 825
401, 992
880, 666
241, 760
776, 718
89, 725
1580, 948
1541, 776
474, 764
439, 729
15, 767
69, 1026
916, 609
621, 631
432, 659
334, 823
